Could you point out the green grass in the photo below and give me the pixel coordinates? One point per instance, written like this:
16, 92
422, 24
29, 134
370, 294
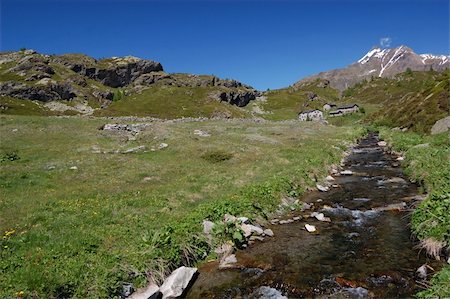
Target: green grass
22, 107
429, 166
83, 233
169, 102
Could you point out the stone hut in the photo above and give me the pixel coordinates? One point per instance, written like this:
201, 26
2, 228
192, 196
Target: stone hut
314, 115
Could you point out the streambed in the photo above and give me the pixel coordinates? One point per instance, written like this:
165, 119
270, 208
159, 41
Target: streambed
366, 251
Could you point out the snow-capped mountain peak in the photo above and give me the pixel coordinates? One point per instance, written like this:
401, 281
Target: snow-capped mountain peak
381, 62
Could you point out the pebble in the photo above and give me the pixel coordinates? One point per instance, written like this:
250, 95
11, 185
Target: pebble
73, 168
268, 232
310, 228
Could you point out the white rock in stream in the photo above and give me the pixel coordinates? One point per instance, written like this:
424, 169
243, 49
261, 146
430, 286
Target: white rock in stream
310, 228
382, 143
329, 178
322, 188
346, 172
176, 283
320, 217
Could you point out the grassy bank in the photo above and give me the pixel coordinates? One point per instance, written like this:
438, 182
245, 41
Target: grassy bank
80, 219
427, 162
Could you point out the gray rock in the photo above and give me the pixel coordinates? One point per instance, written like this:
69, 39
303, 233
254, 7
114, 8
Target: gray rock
268, 232
149, 292
208, 227
228, 262
134, 149
176, 283
322, 188
422, 145
441, 126
346, 172
250, 229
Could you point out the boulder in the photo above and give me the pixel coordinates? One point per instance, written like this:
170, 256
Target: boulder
382, 143
249, 229
268, 232
441, 126
149, 292
177, 282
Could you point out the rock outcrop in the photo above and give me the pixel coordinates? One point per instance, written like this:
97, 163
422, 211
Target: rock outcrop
441, 126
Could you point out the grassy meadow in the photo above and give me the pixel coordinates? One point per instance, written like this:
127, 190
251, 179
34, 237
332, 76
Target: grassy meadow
79, 219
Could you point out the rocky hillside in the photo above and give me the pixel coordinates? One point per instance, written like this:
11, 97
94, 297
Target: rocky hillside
409, 100
76, 83
384, 63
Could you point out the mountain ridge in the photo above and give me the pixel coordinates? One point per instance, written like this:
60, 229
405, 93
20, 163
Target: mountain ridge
379, 62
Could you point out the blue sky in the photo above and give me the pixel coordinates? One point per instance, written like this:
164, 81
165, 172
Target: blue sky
267, 44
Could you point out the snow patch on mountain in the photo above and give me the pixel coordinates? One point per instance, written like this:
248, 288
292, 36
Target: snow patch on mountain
443, 59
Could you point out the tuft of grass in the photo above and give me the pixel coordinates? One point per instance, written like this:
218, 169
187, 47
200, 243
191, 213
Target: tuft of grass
217, 156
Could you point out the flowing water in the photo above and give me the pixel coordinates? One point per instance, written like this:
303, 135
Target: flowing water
365, 251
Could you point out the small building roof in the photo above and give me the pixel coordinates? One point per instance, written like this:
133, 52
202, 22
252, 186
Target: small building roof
309, 111
348, 106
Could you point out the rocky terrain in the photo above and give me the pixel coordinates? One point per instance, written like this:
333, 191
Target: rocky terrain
381, 63
87, 84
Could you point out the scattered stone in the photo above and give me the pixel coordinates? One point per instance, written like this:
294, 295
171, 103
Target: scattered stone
229, 218
224, 250
201, 133
400, 159
149, 292
134, 149
228, 262
256, 238
275, 221
395, 180
346, 172
296, 218
208, 227
243, 219
176, 283
249, 229
322, 188
283, 222
268, 232
329, 178
320, 217
162, 146
310, 228
73, 168
319, 200
391, 207
335, 185
382, 143
306, 206
51, 167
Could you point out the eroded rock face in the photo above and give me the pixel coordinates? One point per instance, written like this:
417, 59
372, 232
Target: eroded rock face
43, 92
118, 73
238, 98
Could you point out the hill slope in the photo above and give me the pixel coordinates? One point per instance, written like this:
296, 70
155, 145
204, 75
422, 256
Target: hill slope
79, 84
413, 100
